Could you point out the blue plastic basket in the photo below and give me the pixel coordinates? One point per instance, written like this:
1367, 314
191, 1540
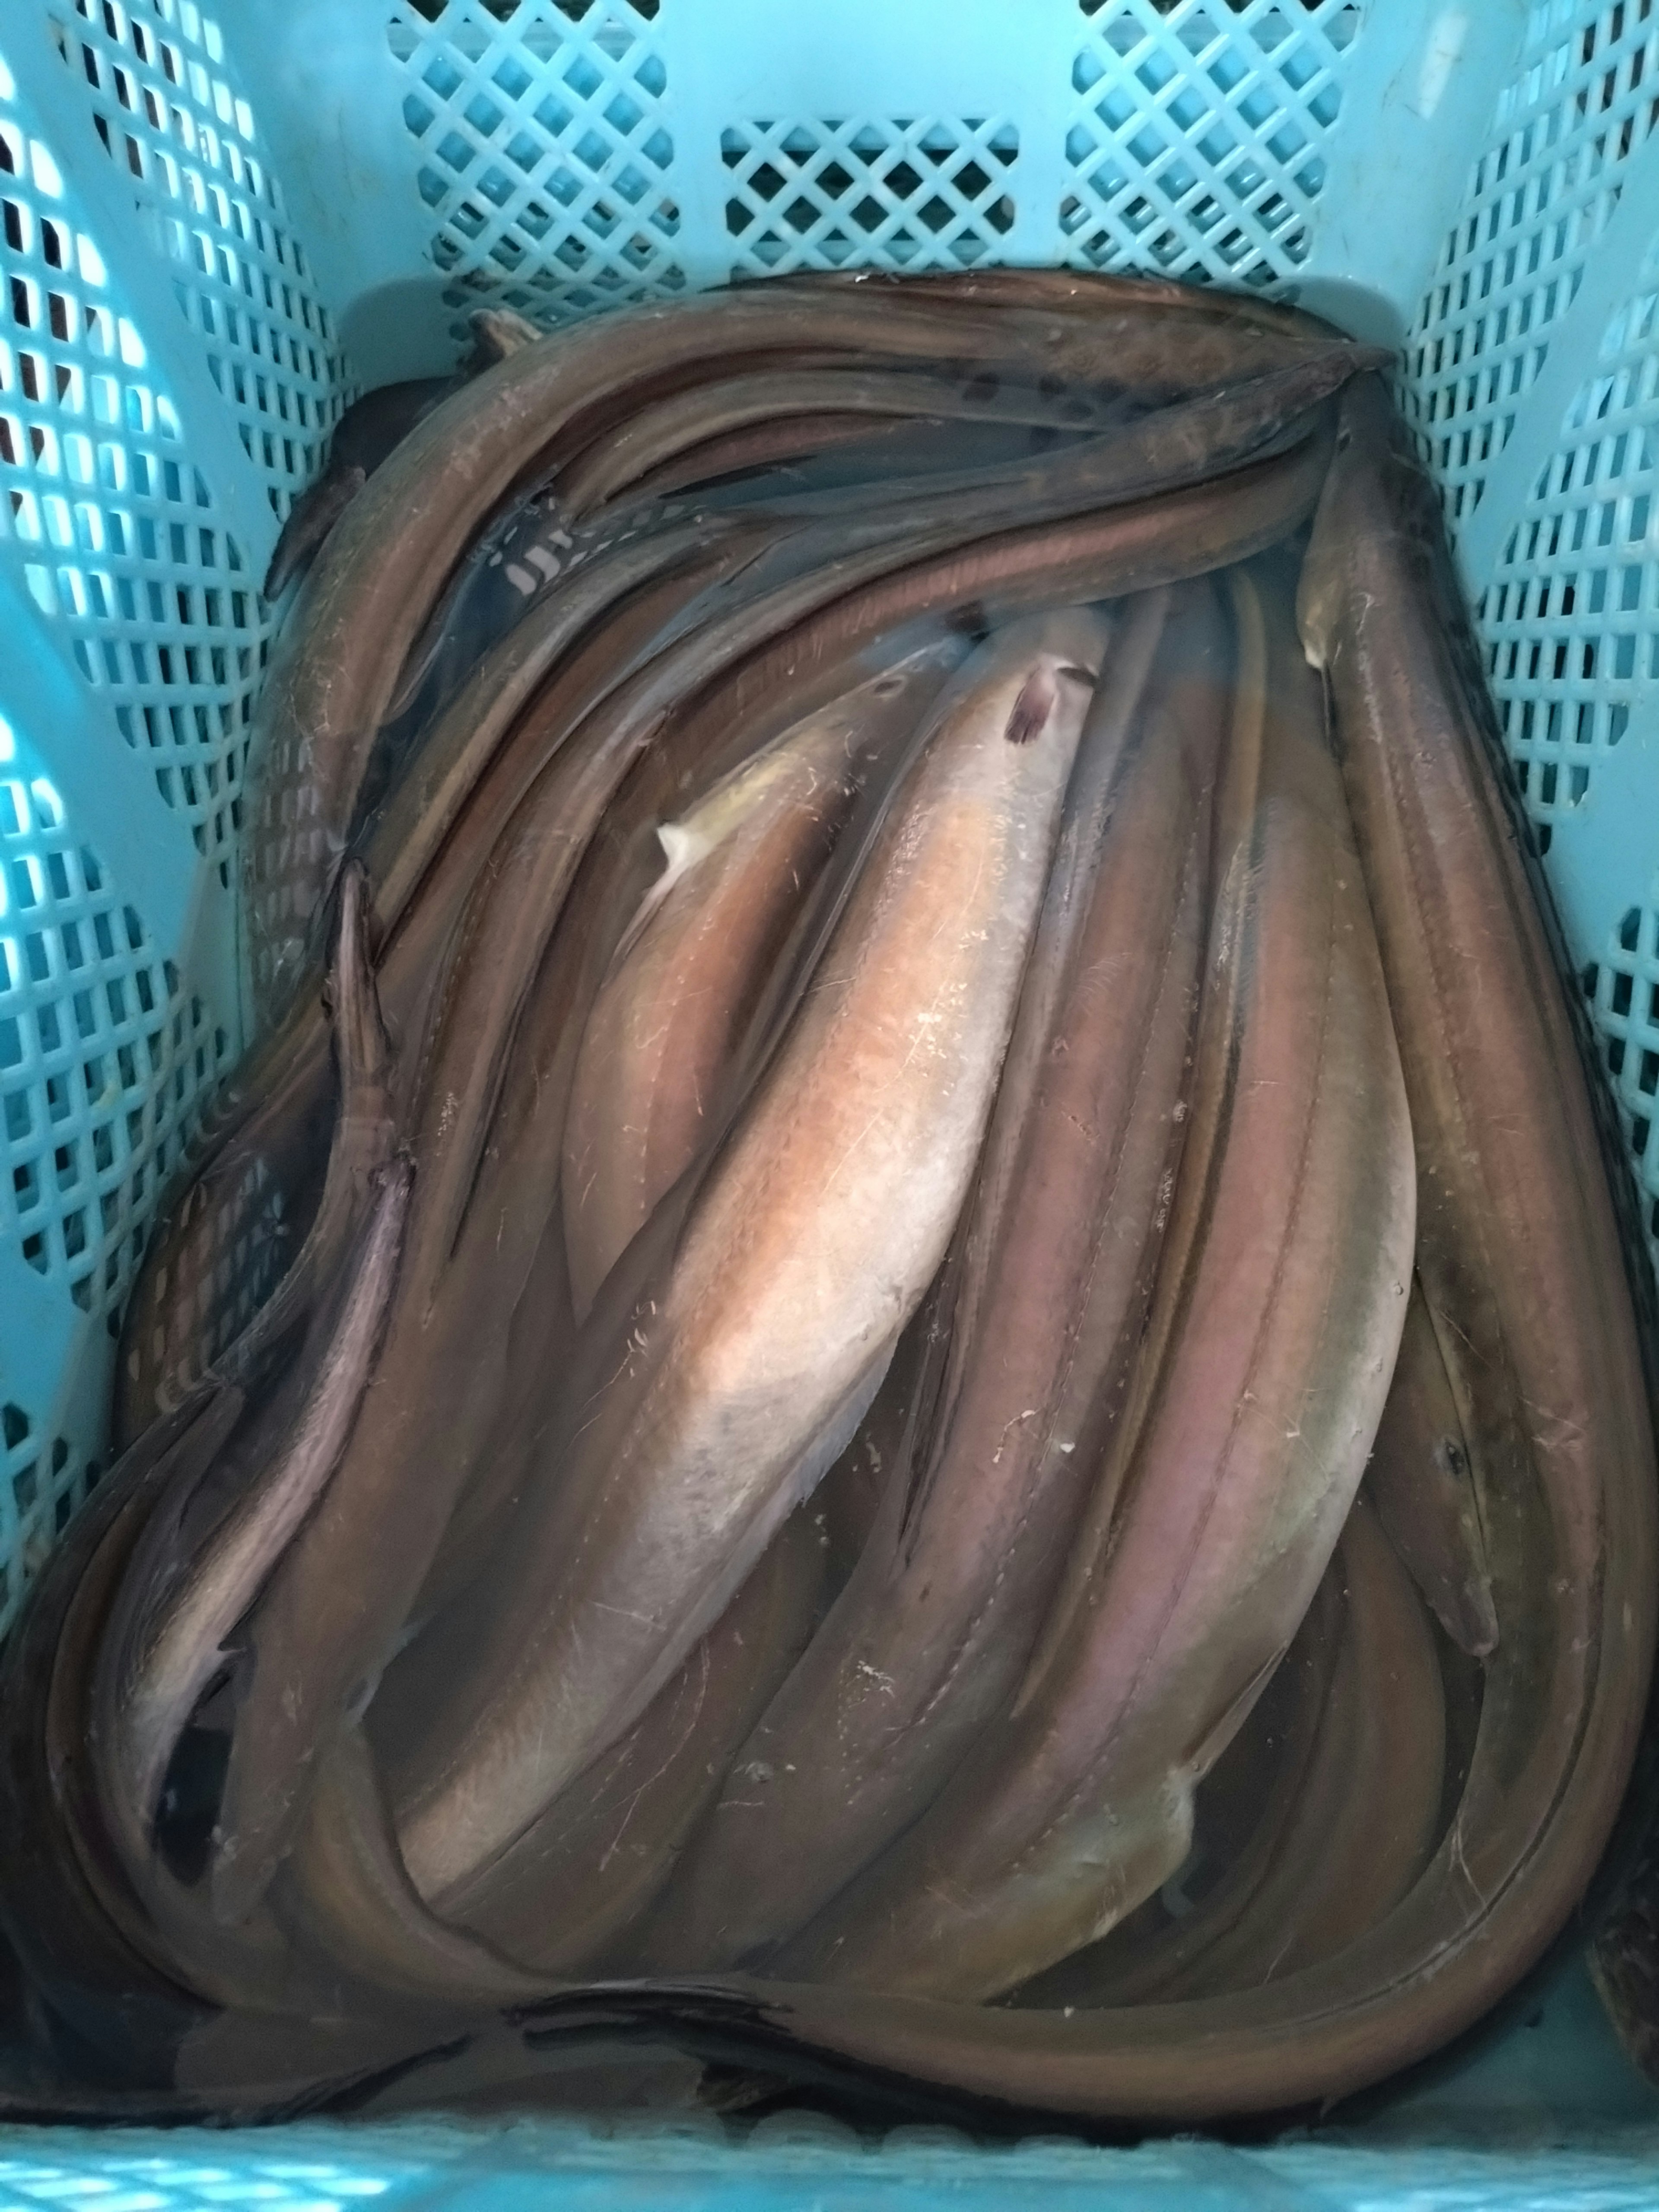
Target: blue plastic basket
217, 228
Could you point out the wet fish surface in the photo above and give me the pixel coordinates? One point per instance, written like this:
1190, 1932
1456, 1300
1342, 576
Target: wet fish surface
912, 1354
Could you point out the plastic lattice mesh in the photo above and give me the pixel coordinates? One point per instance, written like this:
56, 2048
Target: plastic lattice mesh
1197, 134
911, 192
1572, 623
1569, 617
1587, 94
1569, 609
120, 539
42, 1480
543, 150
168, 112
100, 1058
1623, 990
192, 2179
103, 1060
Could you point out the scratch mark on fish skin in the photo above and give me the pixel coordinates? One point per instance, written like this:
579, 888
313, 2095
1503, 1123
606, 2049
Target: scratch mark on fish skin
1461, 1861
668, 1761
1029, 1414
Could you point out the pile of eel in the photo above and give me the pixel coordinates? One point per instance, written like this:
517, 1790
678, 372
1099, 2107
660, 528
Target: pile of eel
908, 1348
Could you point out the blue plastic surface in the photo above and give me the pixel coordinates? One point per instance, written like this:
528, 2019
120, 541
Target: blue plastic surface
1496, 2134
218, 227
